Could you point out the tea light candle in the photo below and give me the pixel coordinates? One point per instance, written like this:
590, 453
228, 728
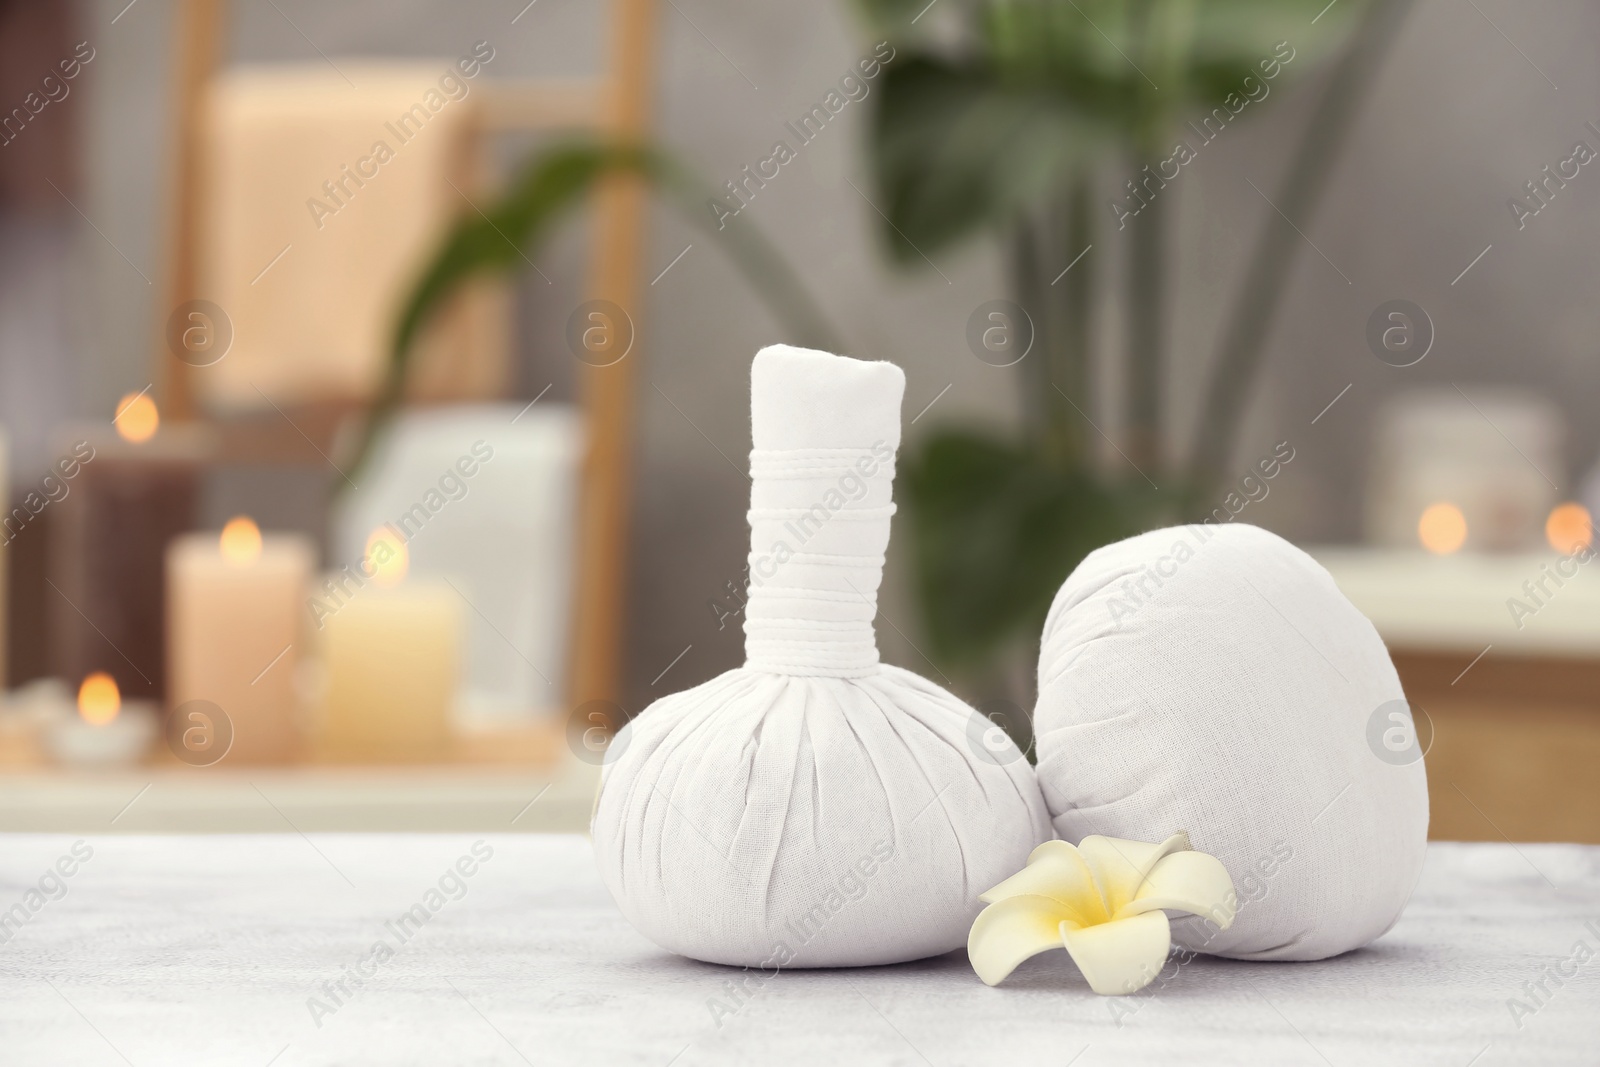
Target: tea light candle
391, 658
237, 603
26, 714
104, 732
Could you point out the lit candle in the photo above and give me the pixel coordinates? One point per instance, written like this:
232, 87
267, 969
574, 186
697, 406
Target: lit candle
235, 632
27, 714
1569, 528
1472, 471
1442, 528
104, 732
133, 492
484, 495
391, 653
137, 418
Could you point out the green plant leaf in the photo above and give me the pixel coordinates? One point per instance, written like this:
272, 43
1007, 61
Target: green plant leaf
548, 188
967, 138
955, 153
995, 530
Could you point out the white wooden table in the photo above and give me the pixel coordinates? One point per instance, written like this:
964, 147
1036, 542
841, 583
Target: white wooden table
228, 950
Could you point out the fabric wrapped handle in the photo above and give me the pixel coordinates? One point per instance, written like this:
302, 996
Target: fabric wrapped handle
825, 430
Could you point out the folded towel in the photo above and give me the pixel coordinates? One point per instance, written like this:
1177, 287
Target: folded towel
323, 199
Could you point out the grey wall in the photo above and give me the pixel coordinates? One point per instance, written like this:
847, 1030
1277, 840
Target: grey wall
1456, 123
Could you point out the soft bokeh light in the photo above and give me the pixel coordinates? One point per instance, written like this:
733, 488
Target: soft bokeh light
99, 700
1442, 529
241, 541
387, 557
1569, 528
137, 418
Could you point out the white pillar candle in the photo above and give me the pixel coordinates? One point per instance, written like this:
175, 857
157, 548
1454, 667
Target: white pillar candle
390, 666
484, 496
236, 614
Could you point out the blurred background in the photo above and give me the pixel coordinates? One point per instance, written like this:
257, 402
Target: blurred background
373, 377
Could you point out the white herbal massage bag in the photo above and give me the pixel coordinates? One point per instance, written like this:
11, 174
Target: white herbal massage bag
813, 808
1213, 680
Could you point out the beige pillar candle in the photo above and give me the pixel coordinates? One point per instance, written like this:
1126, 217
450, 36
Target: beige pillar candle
236, 616
391, 662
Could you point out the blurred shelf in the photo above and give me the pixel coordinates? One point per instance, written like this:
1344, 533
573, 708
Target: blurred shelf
1511, 742
613, 105
1509, 714
516, 106
294, 434
312, 799
538, 747
1463, 602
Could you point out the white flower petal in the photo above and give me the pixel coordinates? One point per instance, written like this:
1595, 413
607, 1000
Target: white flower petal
1053, 847
1122, 956
1056, 870
1012, 930
1187, 881
1119, 866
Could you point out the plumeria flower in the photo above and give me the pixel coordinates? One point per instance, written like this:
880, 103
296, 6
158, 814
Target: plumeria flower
1105, 902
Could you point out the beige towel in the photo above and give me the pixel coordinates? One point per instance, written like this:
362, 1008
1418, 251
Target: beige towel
323, 200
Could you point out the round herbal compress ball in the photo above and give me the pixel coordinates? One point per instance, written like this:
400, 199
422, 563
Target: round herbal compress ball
1213, 680
815, 807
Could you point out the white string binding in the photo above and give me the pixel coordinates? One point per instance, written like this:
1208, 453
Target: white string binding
819, 524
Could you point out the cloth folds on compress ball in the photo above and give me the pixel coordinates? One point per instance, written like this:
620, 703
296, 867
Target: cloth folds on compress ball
1213, 680
814, 808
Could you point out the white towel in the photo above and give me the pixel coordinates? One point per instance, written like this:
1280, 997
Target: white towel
324, 199
813, 808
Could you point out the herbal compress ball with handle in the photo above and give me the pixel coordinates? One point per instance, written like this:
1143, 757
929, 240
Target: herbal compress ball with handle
813, 808
1213, 680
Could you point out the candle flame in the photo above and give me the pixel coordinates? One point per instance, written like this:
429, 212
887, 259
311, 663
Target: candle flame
98, 699
137, 418
1442, 528
388, 559
1569, 528
241, 541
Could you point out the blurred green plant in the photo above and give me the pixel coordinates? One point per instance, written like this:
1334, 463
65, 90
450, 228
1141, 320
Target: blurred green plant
498, 239
1004, 118
999, 117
